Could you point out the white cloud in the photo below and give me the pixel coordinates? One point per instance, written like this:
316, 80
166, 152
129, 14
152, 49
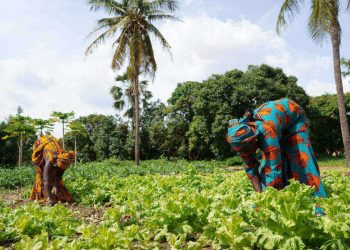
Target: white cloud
316, 87
41, 83
204, 45
42, 80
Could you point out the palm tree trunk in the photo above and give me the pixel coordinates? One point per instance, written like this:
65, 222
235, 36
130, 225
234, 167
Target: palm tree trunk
63, 134
137, 119
344, 125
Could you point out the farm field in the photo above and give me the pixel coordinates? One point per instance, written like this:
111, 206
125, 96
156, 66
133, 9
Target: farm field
173, 205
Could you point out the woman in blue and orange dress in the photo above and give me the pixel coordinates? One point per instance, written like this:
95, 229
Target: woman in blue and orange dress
279, 128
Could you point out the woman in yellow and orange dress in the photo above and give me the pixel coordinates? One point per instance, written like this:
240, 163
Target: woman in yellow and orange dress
51, 161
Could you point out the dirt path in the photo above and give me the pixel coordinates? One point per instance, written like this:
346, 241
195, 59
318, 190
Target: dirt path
14, 198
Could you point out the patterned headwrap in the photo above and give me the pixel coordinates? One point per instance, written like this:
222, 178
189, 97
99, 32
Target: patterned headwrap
65, 159
241, 133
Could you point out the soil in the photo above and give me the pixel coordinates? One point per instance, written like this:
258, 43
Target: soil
13, 197
90, 215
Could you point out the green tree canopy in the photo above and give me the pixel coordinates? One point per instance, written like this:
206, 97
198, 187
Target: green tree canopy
324, 121
346, 67
203, 110
21, 128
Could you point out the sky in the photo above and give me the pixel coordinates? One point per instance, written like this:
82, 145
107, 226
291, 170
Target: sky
43, 67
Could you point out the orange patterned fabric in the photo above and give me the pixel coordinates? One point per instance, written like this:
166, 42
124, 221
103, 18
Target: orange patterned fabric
49, 147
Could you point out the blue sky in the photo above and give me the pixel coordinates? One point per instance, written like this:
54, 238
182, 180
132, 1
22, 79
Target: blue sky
43, 67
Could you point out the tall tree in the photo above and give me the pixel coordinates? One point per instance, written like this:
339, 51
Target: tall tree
64, 118
346, 67
323, 22
77, 129
198, 112
133, 21
21, 128
124, 94
43, 125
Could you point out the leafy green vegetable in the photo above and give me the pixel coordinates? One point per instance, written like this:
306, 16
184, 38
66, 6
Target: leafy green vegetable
188, 210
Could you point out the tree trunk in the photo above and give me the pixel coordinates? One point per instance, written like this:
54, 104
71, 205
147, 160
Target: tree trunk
19, 153
20, 156
137, 119
63, 134
344, 125
75, 150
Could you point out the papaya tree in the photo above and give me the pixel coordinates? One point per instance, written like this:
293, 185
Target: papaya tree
43, 125
21, 128
64, 118
77, 129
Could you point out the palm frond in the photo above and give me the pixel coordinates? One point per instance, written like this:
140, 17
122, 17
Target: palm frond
167, 5
117, 94
110, 6
149, 65
288, 10
121, 51
101, 39
150, 27
162, 16
122, 78
111, 21
147, 95
323, 19
133, 21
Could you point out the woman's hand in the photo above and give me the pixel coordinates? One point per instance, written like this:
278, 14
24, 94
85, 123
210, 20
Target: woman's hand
256, 183
54, 191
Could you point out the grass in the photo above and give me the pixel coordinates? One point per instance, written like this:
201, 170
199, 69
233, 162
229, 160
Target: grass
333, 162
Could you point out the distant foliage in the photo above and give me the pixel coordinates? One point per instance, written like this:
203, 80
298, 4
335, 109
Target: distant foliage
325, 126
194, 123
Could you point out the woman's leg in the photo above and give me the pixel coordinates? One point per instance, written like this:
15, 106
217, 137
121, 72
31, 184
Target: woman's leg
303, 163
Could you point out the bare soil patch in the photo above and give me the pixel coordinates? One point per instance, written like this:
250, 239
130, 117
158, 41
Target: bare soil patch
13, 197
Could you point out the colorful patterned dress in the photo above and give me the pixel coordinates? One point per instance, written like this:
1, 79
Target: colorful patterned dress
49, 146
282, 134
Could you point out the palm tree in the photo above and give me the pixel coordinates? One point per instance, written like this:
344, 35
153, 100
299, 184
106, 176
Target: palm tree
323, 22
133, 23
123, 96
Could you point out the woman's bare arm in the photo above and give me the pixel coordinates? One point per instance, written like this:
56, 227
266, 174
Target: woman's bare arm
256, 183
58, 173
